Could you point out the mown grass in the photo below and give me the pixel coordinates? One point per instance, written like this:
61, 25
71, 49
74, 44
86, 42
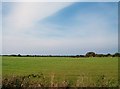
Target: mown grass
76, 71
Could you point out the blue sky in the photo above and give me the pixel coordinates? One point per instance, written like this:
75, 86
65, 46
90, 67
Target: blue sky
65, 28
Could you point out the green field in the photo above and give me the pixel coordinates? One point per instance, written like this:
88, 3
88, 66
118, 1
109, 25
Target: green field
61, 67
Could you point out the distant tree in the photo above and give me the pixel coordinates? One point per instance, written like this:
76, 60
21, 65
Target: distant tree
99, 55
90, 54
27, 55
108, 55
77, 55
19, 55
82, 56
116, 55
13, 55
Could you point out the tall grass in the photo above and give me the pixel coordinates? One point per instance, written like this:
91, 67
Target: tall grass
41, 81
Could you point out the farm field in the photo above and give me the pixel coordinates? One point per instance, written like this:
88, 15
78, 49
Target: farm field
62, 68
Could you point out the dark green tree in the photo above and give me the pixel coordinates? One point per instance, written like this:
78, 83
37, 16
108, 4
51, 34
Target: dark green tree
90, 54
108, 55
19, 55
116, 55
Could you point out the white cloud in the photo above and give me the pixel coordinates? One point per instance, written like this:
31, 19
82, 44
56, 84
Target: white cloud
25, 15
22, 18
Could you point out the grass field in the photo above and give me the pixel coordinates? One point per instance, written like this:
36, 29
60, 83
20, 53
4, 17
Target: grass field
62, 67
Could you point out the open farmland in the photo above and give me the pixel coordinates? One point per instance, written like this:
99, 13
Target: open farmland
63, 68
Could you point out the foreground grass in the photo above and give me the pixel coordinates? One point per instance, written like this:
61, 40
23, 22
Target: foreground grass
80, 71
41, 81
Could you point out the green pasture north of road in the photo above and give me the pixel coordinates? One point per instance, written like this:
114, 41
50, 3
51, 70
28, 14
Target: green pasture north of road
60, 66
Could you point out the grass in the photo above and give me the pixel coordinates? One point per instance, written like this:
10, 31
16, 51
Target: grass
58, 69
0, 71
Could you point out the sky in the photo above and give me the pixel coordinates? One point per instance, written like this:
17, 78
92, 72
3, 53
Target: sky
59, 28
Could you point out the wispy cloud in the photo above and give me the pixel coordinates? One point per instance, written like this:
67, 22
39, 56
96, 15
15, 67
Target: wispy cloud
24, 15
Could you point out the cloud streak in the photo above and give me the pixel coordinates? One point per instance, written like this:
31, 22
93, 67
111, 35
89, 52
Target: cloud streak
24, 15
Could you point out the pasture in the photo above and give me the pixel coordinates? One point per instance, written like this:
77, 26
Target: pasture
62, 68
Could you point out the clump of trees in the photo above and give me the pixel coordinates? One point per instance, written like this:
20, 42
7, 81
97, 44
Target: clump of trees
92, 54
116, 55
88, 54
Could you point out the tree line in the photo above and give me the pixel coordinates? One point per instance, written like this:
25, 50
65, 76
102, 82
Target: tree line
88, 54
